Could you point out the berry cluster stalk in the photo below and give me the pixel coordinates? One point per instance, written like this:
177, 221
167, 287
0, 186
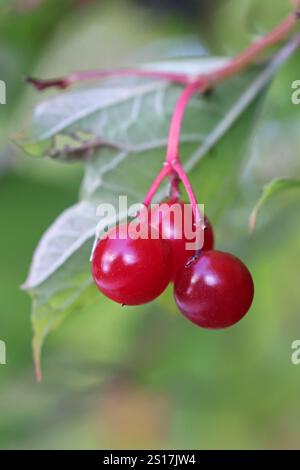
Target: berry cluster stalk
202, 84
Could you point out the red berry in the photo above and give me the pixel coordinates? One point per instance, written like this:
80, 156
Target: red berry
171, 225
214, 291
131, 271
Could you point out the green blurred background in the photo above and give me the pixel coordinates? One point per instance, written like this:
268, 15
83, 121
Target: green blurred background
147, 379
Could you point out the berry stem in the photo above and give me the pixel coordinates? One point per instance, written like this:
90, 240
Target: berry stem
174, 187
165, 171
172, 157
176, 123
189, 190
172, 162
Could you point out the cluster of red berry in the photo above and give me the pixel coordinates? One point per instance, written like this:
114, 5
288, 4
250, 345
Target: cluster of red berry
212, 289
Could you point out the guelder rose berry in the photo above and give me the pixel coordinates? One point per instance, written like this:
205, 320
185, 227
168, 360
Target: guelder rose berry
215, 291
131, 271
174, 221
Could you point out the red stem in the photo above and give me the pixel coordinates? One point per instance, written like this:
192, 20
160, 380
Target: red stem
172, 166
165, 171
234, 66
189, 190
203, 83
176, 122
172, 157
243, 60
68, 80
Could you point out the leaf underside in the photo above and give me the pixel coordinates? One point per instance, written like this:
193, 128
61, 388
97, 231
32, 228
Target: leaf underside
119, 130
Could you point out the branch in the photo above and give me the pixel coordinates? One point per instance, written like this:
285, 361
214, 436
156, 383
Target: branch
235, 66
68, 80
246, 58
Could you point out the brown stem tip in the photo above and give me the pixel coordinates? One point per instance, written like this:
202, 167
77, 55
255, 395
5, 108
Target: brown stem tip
42, 85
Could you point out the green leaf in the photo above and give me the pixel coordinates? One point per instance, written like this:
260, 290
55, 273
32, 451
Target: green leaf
119, 130
269, 190
70, 231
69, 290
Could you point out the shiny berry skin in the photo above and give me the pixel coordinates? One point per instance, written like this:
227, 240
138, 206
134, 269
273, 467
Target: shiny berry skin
171, 228
215, 291
131, 271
